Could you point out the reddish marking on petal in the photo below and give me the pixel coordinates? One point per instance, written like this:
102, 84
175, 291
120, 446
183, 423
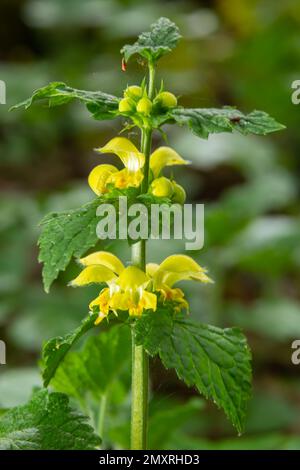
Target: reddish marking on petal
124, 65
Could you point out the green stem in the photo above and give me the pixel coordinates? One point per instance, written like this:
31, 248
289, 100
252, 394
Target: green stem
101, 417
146, 139
139, 399
151, 80
140, 361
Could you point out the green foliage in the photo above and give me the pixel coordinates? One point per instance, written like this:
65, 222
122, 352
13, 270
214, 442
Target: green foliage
55, 349
164, 422
101, 105
214, 360
66, 234
46, 422
161, 39
153, 329
209, 121
92, 370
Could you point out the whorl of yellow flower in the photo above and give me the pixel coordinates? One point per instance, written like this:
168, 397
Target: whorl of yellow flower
102, 177
133, 290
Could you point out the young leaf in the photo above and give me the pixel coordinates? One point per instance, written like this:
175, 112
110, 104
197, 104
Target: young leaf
46, 422
214, 360
66, 234
55, 349
205, 121
93, 369
101, 105
161, 39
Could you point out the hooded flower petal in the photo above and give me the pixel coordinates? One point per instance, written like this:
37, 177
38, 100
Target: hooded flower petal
165, 156
104, 258
131, 157
93, 274
98, 178
132, 278
177, 268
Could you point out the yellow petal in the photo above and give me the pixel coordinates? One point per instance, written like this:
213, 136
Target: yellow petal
149, 300
202, 277
93, 274
179, 263
126, 179
98, 177
170, 278
102, 301
132, 278
151, 269
120, 301
177, 268
131, 157
165, 156
99, 319
104, 258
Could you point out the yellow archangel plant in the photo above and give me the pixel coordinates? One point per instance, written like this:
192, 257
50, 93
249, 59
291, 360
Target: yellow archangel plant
215, 361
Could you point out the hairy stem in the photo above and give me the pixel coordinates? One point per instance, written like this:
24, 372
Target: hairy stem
140, 361
139, 404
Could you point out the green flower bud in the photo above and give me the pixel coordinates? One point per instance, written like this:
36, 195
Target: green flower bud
134, 92
126, 105
144, 106
179, 195
166, 100
161, 187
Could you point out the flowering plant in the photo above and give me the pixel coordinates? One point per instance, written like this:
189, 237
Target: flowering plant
140, 296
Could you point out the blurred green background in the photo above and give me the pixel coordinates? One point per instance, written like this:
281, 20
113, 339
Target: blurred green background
239, 52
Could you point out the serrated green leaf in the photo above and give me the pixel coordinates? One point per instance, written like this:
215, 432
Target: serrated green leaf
205, 121
46, 422
66, 234
214, 360
93, 369
101, 105
56, 349
161, 39
151, 329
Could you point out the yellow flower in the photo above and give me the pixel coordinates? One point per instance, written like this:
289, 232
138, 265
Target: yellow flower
165, 156
126, 286
130, 156
131, 176
131, 289
98, 178
173, 269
